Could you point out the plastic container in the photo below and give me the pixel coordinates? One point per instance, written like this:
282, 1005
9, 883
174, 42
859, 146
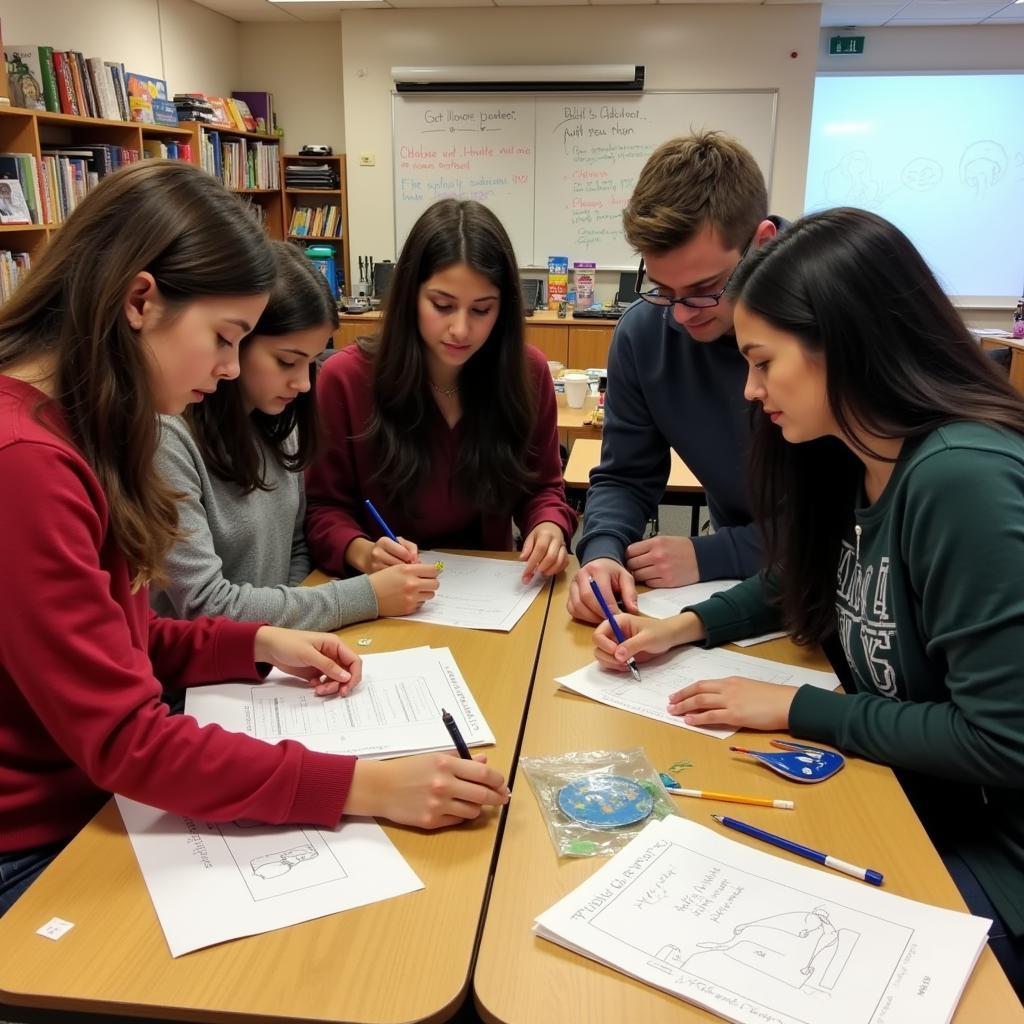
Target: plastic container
323, 258
583, 276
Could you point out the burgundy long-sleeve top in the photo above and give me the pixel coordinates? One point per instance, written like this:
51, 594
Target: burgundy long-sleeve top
441, 515
82, 660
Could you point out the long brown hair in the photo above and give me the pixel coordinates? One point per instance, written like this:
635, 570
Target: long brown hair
899, 363
497, 400
227, 436
179, 224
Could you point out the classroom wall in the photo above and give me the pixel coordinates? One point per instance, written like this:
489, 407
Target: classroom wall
191, 47
929, 48
683, 47
300, 63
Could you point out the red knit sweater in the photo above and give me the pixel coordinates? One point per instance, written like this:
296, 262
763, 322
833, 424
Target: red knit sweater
82, 660
443, 517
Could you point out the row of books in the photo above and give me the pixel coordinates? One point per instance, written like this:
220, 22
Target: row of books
229, 112
241, 163
66, 82
315, 222
13, 267
167, 150
312, 176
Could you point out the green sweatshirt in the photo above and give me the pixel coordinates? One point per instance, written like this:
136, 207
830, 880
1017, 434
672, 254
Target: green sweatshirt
930, 613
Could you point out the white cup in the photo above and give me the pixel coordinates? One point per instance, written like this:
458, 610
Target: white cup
576, 387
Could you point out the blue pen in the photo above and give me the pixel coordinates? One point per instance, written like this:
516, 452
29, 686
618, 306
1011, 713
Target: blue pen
630, 662
380, 521
864, 874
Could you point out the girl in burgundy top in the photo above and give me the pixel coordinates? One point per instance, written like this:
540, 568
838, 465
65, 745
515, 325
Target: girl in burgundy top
445, 420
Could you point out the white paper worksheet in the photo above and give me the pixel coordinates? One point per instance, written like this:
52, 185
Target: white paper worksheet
760, 940
210, 883
395, 709
679, 668
477, 593
664, 603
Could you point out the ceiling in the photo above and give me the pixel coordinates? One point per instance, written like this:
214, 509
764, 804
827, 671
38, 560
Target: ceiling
834, 13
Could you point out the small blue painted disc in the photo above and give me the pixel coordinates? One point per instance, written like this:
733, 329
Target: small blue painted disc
605, 801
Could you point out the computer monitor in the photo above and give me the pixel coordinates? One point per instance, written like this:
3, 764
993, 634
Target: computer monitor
382, 273
531, 292
627, 288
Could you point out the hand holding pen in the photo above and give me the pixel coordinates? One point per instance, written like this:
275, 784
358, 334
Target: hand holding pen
389, 549
614, 626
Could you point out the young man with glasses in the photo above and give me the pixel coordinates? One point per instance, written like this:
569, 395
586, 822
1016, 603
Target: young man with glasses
675, 377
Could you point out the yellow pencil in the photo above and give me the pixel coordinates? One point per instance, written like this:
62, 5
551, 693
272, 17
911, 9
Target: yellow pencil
733, 798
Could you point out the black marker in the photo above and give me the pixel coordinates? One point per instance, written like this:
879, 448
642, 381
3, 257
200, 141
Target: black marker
453, 731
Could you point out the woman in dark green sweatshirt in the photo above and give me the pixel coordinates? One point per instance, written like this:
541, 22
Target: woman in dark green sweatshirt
889, 454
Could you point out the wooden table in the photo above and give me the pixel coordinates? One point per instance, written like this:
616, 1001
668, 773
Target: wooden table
683, 488
572, 423
861, 813
576, 343
1016, 347
406, 959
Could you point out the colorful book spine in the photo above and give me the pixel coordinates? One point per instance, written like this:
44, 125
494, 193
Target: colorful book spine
558, 280
50, 94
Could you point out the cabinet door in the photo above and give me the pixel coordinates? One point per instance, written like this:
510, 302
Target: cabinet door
551, 339
588, 346
355, 327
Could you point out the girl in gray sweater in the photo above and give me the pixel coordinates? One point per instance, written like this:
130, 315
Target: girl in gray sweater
237, 457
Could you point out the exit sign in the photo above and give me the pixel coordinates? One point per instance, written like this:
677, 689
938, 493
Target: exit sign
846, 44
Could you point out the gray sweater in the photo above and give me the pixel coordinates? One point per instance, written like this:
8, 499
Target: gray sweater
245, 554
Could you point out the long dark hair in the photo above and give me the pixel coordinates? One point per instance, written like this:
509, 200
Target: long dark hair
498, 402
226, 435
899, 363
182, 226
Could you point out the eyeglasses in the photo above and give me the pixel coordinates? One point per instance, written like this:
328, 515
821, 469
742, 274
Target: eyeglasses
658, 298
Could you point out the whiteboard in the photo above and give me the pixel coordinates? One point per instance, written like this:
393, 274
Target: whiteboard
942, 157
556, 169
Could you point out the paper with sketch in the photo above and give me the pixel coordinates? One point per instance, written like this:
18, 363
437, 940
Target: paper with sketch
759, 940
210, 883
477, 593
664, 603
395, 709
679, 668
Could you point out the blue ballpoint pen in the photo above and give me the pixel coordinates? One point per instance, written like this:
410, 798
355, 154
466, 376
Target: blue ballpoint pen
630, 662
380, 520
864, 874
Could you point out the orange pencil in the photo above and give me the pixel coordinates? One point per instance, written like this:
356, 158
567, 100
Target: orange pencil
732, 798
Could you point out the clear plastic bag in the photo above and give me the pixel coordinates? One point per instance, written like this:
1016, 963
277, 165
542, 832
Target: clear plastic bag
594, 802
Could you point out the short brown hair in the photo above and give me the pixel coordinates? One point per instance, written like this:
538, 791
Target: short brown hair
703, 179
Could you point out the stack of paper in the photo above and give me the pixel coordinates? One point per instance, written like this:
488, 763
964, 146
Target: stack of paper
680, 668
478, 593
754, 938
213, 882
395, 710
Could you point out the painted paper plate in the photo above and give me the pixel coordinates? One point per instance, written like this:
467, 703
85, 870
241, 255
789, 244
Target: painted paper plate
605, 801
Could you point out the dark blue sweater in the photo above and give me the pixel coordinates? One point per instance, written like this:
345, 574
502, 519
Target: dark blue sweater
666, 390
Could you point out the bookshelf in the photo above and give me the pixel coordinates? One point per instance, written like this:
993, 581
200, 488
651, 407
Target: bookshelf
37, 132
316, 198
249, 164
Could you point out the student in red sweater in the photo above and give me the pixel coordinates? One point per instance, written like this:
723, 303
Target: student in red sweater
137, 308
445, 420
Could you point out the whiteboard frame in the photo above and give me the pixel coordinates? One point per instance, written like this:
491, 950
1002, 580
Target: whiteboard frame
546, 94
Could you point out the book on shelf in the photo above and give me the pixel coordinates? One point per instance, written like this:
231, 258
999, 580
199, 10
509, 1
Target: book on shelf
25, 75
13, 267
70, 172
157, 149
261, 108
315, 222
21, 190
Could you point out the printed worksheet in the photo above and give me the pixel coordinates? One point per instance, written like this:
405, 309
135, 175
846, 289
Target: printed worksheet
210, 883
395, 709
664, 603
680, 668
759, 940
478, 593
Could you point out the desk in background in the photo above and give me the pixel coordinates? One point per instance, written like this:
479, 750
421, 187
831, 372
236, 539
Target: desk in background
683, 487
406, 959
861, 815
576, 343
1016, 347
